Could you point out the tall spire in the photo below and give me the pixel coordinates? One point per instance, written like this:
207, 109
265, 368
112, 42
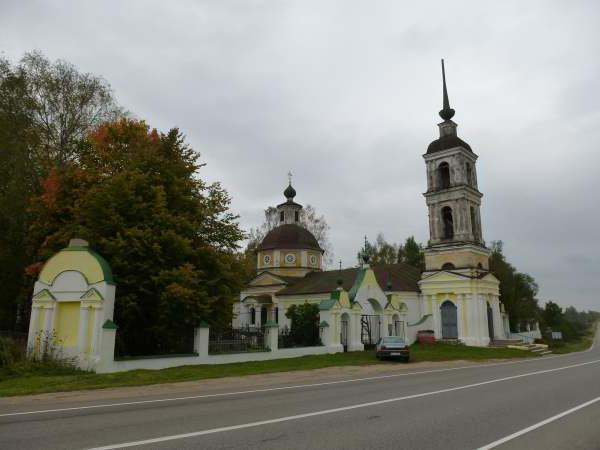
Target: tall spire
447, 113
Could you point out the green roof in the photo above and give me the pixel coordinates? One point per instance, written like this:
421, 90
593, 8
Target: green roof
327, 304
110, 325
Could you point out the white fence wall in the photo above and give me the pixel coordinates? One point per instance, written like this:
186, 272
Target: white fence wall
527, 336
108, 364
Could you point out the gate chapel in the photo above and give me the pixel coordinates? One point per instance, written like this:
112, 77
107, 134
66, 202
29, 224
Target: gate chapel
456, 295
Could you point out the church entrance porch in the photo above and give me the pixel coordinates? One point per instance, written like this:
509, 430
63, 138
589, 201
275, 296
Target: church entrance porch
449, 320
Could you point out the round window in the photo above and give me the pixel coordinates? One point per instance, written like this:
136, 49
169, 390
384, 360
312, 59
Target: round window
267, 259
290, 258
313, 260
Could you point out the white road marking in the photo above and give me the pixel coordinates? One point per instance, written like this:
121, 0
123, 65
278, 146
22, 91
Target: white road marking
280, 388
538, 425
331, 411
283, 388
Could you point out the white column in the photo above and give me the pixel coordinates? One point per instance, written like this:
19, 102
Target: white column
497, 318
384, 325
84, 315
47, 330
336, 328
459, 317
201, 338
257, 315
35, 313
96, 331
437, 323
355, 343
272, 337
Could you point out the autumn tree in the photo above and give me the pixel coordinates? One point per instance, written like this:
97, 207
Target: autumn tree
137, 196
46, 109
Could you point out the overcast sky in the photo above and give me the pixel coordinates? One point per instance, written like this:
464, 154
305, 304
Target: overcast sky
346, 94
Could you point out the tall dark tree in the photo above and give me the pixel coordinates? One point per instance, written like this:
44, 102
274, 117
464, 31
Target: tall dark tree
412, 253
383, 252
517, 290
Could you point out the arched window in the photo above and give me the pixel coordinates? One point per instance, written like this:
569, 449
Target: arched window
469, 175
252, 316
444, 175
296, 216
448, 223
448, 266
281, 216
276, 314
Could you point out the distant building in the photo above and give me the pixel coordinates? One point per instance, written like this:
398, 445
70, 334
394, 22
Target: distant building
456, 295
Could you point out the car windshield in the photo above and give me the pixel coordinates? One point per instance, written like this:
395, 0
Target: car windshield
393, 340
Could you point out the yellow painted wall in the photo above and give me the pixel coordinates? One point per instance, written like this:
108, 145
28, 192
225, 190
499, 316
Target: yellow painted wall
297, 255
460, 259
67, 322
261, 259
289, 271
67, 260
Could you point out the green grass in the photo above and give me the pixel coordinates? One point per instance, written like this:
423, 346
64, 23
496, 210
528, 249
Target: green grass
38, 379
577, 345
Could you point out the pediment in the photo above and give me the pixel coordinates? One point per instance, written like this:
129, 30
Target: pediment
267, 279
44, 295
92, 294
443, 276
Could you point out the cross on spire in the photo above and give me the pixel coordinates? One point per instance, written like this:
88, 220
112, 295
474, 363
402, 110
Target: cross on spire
290, 177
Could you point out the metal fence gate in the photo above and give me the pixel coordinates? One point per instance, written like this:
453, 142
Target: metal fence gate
237, 340
370, 329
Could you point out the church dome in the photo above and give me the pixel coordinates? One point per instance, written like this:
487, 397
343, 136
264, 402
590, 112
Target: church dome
447, 142
289, 192
289, 236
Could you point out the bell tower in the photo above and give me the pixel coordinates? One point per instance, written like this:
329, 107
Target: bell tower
453, 199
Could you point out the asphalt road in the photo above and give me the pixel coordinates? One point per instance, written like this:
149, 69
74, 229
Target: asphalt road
547, 403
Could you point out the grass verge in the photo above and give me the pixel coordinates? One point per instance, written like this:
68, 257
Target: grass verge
578, 345
36, 379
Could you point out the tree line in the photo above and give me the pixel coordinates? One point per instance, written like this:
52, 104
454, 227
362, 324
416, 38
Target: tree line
518, 290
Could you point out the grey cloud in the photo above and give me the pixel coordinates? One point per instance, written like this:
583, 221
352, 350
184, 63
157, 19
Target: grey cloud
346, 94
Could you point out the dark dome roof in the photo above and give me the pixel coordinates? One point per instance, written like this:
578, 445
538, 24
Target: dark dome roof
290, 236
446, 142
289, 192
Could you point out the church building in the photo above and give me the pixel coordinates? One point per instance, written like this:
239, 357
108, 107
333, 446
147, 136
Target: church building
456, 295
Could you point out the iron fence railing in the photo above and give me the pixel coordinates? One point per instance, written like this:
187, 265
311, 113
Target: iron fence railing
240, 340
